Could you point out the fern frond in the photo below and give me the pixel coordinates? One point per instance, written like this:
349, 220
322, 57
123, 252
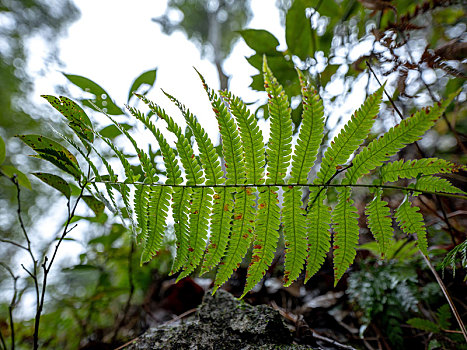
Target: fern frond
220, 228
241, 235
410, 169
207, 152
310, 135
435, 184
319, 238
451, 258
309, 140
411, 222
194, 173
295, 234
232, 148
278, 152
174, 174
279, 148
346, 230
157, 211
407, 131
266, 236
350, 137
199, 222
251, 138
380, 223
180, 206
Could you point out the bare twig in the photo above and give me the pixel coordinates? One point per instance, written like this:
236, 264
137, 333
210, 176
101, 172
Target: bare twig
12, 305
332, 342
13, 243
47, 266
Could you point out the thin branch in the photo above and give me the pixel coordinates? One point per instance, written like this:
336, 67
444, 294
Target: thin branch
46, 267
2, 341
13, 243
12, 305
446, 294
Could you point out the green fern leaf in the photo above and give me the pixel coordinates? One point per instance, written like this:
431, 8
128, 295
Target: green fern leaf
309, 140
231, 145
380, 223
279, 148
343, 145
207, 152
407, 131
319, 238
278, 152
295, 234
350, 137
241, 235
251, 138
346, 230
157, 210
180, 206
266, 236
435, 184
220, 228
410, 169
310, 135
194, 173
411, 222
424, 325
451, 258
199, 222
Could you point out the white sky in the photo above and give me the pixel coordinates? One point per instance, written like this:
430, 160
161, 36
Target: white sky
114, 41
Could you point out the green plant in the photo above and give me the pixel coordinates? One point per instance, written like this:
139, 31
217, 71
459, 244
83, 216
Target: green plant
451, 258
243, 202
440, 327
386, 294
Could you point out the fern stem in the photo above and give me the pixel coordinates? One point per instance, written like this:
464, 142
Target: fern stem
446, 294
402, 188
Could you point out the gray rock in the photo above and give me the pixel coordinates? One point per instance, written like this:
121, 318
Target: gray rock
222, 322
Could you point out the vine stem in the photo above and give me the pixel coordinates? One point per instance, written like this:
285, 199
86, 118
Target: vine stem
446, 294
402, 188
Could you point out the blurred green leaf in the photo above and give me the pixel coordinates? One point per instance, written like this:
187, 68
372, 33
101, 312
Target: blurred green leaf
2, 150
112, 131
298, 32
148, 78
102, 98
79, 122
260, 40
10, 171
96, 205
53, 152
56, 182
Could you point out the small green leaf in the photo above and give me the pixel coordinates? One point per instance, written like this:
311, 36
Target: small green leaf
79, 122
2, 150
53, 152
102, 98
56, 182
11, 171
260, 40
148, 78
112, 131
96, 205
